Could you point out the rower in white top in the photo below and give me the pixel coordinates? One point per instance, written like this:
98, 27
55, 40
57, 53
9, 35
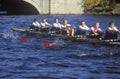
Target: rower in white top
113, 28
83, 28
35, 25
68, 28
112, 31
45, 25
56, 26
96, 31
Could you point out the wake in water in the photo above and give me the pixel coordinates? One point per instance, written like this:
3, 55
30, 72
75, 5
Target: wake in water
89, 51
114, 50
60, 42
114, 54
9, 35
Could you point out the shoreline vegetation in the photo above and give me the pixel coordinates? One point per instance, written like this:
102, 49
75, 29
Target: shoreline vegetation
101, 7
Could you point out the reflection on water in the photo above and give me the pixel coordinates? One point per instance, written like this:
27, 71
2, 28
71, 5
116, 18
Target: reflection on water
70, 61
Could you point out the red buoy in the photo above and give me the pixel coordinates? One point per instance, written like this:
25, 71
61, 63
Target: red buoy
24, 40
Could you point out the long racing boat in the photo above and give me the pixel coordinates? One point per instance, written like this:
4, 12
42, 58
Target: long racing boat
76, 38
32, 32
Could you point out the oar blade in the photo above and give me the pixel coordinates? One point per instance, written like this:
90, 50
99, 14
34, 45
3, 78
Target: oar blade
50, 45
24, 40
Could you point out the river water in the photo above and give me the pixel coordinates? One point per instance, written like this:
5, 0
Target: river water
31, 60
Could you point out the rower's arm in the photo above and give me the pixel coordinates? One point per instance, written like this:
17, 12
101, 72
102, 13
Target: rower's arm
118, 31
47, 24
93, 32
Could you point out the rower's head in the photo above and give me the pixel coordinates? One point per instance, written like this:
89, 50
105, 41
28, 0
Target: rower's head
112, 24
65, 22
56, 20
44, 20
35, 20
82, 23
97, 24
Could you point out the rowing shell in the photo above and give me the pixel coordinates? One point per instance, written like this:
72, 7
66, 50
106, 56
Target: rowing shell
32, 32
78, 38
96, 41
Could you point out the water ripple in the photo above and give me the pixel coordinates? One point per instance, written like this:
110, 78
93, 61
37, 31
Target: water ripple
70, 61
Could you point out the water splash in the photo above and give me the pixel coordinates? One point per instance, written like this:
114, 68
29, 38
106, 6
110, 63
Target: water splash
114, 50
9, 35
60, 42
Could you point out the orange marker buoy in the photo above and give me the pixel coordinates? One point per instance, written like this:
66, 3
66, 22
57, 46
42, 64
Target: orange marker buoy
24, 40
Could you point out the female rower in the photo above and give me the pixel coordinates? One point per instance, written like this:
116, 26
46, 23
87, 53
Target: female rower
45, 25
56, 25
83, 28
112, 32
96, 32
35, 25
68, 28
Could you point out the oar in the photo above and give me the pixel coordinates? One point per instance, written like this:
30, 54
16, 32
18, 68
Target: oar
50, 45
24, 40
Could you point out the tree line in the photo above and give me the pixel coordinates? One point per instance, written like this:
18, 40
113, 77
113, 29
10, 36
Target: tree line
98, 5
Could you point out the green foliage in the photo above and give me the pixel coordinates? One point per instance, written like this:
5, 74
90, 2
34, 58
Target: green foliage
89, 4
105, 4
